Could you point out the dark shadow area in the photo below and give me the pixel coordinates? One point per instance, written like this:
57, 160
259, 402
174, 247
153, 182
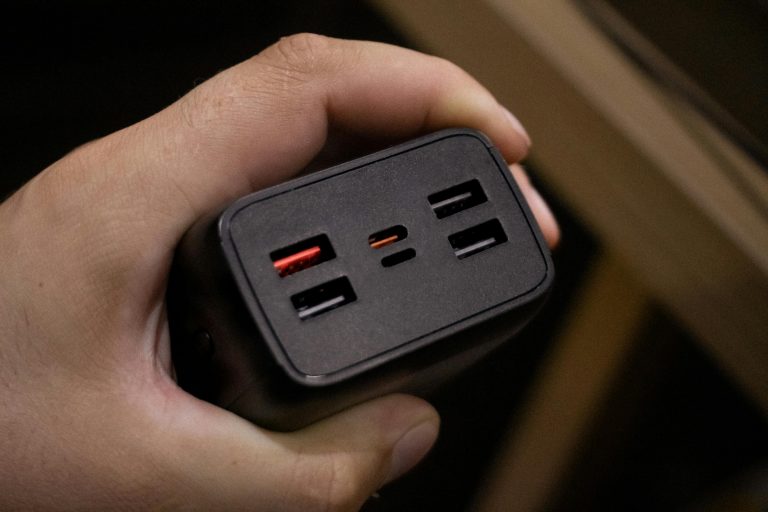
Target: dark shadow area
673, 430
76, 71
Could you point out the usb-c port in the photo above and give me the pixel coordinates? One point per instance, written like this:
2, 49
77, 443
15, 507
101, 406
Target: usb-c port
398, 257
387, 236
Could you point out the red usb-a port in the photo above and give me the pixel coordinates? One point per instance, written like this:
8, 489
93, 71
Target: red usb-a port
302, 255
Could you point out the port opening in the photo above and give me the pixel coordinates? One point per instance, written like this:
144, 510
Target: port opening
302, 255
387, 236
398, 257
457, 198
323, 298
477, 238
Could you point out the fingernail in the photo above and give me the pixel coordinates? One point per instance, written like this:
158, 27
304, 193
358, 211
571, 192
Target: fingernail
411, 448
518, 126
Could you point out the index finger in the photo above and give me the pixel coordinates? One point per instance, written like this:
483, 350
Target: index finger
261, 122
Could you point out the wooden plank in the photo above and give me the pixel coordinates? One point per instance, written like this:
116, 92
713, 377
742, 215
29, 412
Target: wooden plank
569, 390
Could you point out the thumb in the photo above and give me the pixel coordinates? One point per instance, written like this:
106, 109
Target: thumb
335, 464
372, 444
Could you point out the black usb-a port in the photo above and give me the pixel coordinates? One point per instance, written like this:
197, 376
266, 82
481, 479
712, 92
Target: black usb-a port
457, 198
477, 238
323, 298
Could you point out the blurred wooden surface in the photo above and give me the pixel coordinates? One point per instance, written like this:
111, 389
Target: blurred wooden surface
568, 392
656, 184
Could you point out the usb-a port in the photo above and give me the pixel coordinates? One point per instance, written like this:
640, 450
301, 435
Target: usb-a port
457, 198
302, 255
477, 238
323, 298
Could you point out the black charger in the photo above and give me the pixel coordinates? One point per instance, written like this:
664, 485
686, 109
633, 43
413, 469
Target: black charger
388, 273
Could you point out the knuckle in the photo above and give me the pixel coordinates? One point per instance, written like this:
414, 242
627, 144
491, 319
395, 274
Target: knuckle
264, 80
303, 50
273, 74
301, 53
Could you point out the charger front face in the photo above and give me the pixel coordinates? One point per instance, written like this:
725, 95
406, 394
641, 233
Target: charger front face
347, 269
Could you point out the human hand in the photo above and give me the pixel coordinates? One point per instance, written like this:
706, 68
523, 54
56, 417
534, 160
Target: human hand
91, 418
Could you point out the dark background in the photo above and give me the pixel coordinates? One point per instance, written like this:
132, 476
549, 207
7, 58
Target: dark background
674, 429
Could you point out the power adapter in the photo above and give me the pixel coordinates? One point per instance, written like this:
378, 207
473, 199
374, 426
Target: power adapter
388, 273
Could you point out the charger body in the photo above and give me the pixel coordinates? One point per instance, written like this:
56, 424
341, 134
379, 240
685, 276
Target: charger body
285, 338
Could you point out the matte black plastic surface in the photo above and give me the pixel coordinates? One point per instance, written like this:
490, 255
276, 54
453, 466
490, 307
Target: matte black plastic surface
284, 369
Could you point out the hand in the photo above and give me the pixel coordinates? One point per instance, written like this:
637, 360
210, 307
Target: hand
90, 417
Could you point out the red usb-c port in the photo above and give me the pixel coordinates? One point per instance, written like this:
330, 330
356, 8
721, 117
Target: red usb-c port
302, 255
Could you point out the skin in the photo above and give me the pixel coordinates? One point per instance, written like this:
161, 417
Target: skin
90, 416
